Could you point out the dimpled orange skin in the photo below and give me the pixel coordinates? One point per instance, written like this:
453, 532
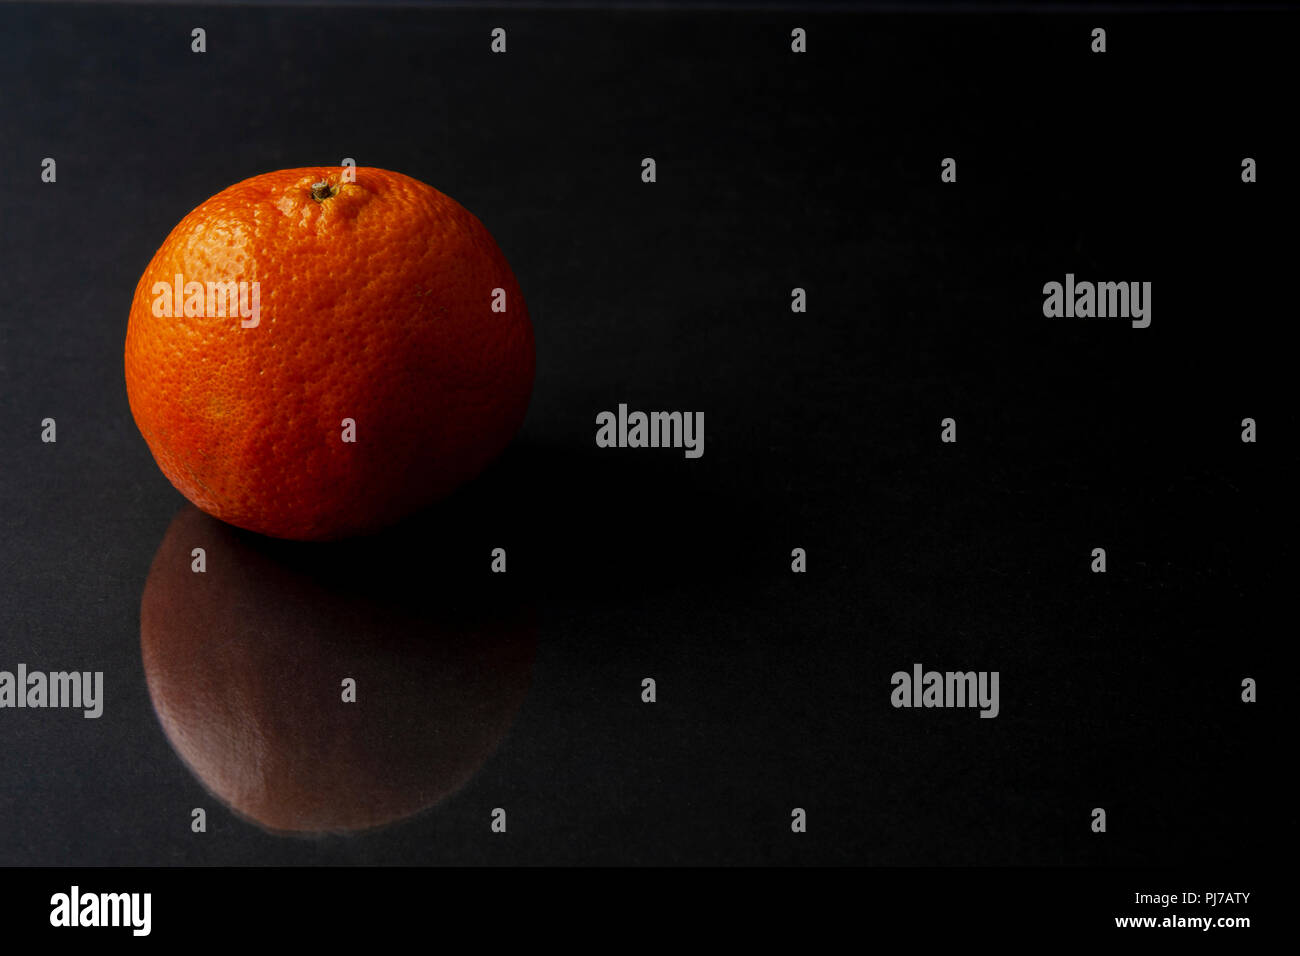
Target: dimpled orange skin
376, 306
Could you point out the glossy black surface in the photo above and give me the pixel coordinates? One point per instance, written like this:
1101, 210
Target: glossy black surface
822, 429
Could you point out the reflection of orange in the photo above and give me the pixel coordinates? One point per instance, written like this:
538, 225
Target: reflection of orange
379, 303
245, 666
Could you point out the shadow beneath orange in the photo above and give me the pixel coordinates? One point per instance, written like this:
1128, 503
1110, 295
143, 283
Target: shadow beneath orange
246, 664
582, 521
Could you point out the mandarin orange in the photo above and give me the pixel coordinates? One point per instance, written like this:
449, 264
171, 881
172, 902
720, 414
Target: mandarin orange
314, 354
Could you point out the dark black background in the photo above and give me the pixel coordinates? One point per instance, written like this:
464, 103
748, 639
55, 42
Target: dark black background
822, 429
